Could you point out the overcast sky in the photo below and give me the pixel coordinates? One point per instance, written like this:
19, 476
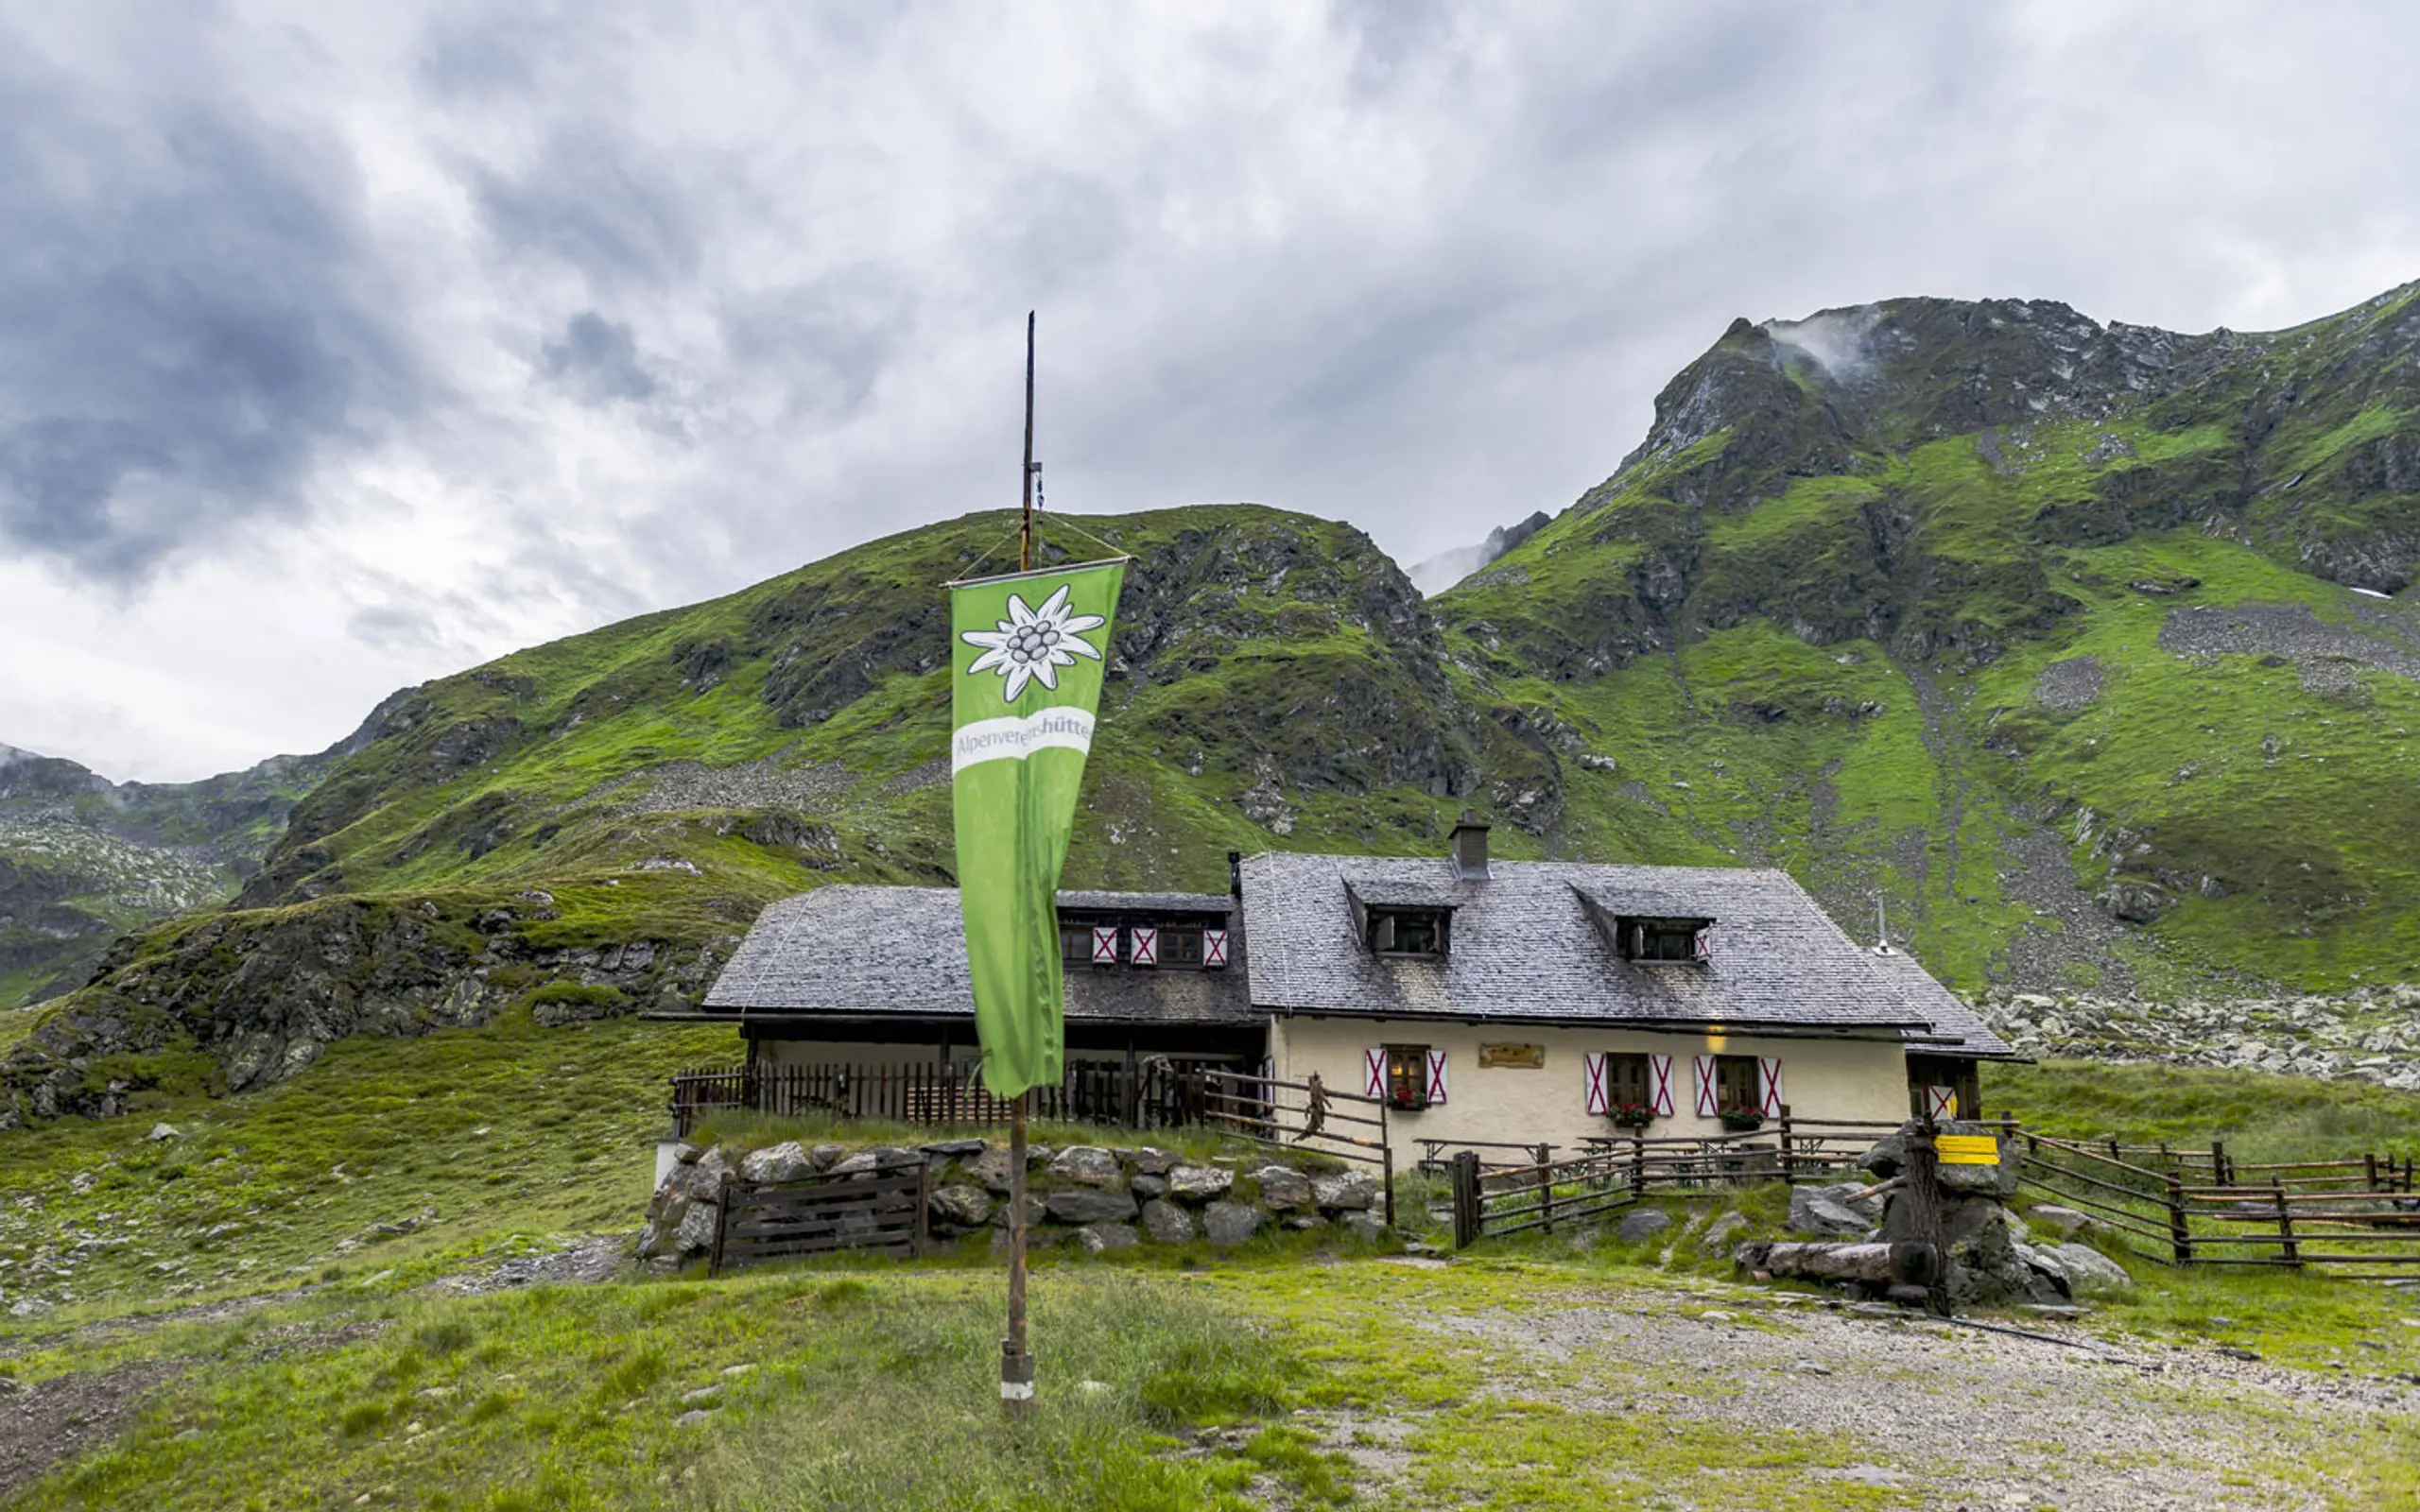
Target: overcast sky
340, 349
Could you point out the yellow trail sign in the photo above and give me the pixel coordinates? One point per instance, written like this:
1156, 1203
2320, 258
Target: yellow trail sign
1969, 1149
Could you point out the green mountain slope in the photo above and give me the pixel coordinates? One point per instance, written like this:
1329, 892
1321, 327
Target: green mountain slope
2041, 630
2071, 643
84, 859
585, 827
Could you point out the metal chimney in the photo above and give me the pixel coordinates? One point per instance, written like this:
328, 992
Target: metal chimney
1470, 848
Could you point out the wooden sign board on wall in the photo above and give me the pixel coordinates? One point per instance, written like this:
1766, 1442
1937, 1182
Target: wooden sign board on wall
1518, 1057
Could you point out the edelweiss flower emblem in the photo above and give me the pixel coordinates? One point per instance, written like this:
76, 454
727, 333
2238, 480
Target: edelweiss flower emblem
1032, 644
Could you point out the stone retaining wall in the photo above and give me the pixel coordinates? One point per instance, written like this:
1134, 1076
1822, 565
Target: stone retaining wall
1102, 1198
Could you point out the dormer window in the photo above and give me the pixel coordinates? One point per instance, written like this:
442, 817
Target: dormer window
1667, 941
1418, 932
1407, 920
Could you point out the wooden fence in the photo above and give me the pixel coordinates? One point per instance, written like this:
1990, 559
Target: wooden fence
1303, 1115
1156, 1094
2195, 1207
1491, 1198
883, 1213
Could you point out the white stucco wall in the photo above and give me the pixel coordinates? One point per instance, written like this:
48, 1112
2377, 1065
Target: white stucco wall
1820, 1079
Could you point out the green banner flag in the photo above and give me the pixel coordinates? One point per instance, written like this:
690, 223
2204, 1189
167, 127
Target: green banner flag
1027, 658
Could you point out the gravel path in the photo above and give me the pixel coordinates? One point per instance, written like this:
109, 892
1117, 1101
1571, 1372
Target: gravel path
1973, 1420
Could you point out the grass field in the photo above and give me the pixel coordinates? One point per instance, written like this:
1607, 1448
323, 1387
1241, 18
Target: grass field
2261, 1117
1368, 1382
344, 1194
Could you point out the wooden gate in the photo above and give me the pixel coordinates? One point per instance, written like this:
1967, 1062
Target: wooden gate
883, 1213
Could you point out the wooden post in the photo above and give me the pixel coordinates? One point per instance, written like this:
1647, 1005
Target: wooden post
1465, 1198
925, 1209
2286, 1222
2180, 1234
1786, 1162
2370, 1169
722, 1223
1922, 1190
1545, 1184
1637, 1163
2218, 1164
1017, 1362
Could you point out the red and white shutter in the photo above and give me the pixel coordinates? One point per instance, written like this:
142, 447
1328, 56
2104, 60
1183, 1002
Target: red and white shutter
1940, 1102
1104, 945
1659, 1078
1768, 1093
1436, 1076
1701, 943
1373, 1083
1147, 947
1214, 946
1595, 1066
1708, 1107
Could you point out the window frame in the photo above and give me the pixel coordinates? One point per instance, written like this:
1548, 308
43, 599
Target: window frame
1415, 1058
1616, 1062
1634, 931
1752, 1102
1388, 922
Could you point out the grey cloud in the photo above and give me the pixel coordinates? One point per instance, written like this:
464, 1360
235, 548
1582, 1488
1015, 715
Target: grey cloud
826, 343
597, 201
186, 323
597, 361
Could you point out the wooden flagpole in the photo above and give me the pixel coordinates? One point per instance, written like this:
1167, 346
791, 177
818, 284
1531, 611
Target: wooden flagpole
1016, 1361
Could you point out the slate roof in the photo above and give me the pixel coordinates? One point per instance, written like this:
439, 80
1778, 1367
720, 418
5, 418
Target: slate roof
1525, 949
1145, 902
875, 951
1935, 1002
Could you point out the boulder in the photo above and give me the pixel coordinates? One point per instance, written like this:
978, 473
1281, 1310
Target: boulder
701, 1180
652, 1239
1034, 1212
1818, 1210
1230, 1222
1719, 1234
785, 1161
687, 1153
1100, 1238
1641, 1226
954, 1149
1089, 1165
164, 1131
2090, 1272
826, 1156
1148, 1186
1283, 1189
1166, 1224
1352, 1192
1083, 1206
2061, 1220
1363, 1228
696, 1235
1148, 1162
881, 1157
1199, 1183
1304, 1221
991, 1168
967, 1206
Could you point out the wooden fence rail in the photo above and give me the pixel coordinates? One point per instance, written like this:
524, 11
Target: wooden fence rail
1155, 1094
884, 1213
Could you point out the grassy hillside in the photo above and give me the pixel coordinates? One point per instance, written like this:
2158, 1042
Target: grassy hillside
2047, 632
83, 860
2065, 642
